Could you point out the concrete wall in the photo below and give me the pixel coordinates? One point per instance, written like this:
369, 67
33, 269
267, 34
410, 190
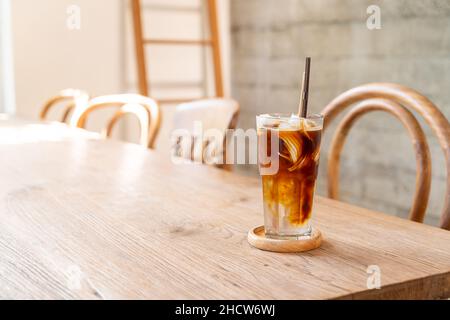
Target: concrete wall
270, 39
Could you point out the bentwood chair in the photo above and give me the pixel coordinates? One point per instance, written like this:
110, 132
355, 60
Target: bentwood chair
145, 109
68, 99
201, 129
395, 100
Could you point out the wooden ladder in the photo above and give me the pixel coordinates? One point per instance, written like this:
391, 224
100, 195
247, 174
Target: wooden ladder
141, 42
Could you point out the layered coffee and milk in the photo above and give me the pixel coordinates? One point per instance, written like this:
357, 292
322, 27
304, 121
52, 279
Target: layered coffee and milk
288, 191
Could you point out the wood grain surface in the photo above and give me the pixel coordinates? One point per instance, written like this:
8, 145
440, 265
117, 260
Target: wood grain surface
99, 219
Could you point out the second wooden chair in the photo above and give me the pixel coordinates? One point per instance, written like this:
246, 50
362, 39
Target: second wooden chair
200, 129
396, 100
145, 109
69, 99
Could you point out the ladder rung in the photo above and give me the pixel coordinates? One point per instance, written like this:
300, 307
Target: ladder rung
178, 100
177, 84
164, 7
177, 42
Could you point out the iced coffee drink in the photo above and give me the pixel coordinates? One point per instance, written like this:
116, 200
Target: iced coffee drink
288, 152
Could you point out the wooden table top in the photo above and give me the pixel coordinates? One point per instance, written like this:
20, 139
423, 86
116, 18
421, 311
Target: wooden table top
88, 218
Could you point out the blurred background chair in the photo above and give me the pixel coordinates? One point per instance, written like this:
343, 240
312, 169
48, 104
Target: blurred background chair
396, 100
200, 130
67, 99
145, 109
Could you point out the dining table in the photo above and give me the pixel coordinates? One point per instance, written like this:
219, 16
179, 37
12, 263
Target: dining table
84, 217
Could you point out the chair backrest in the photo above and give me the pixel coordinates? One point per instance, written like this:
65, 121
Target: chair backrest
145, 109
395, 99
199, 117
69, 99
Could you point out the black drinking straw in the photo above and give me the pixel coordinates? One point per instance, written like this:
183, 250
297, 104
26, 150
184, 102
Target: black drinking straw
303, 104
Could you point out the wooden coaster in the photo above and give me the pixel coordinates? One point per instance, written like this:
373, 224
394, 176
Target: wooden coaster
257, 238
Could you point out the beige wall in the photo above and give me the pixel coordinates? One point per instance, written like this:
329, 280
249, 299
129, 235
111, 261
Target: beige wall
7, 102
100, 56
49, 56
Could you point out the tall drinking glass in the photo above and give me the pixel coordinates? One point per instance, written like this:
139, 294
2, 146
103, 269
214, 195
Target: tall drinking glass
288, 158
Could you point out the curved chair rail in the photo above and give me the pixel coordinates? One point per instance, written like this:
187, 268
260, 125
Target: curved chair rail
423, 162
73, 97
408, 98
144, 108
